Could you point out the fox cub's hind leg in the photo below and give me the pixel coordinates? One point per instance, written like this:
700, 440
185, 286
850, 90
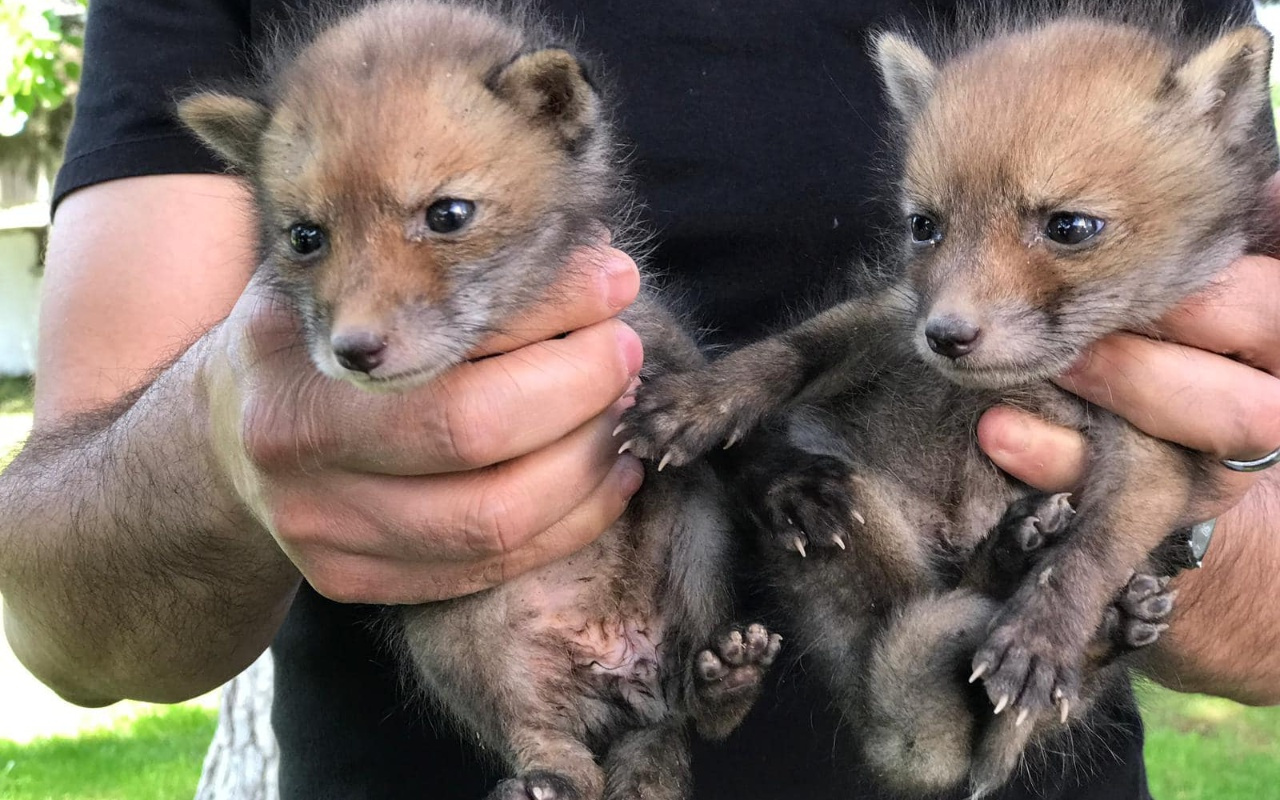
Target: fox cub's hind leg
1014, 551
729, 675
652, 763
551, 766
535, 786
1013, 548
929, 728
649, 764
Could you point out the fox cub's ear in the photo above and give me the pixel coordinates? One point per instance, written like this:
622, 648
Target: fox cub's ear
551, 87
909, 74
1228, 83
233, 126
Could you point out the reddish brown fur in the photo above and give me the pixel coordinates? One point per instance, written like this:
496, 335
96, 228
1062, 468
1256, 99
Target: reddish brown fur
1126, 164
319, 163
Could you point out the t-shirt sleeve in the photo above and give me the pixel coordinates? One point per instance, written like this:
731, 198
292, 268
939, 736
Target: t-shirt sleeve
1213, 13
140, 57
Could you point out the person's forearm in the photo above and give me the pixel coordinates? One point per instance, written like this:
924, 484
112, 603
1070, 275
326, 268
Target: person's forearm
1225, 637
127, 566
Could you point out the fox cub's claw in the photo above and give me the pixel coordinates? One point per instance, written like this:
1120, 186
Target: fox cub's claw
535, 786
681, 416
809, 503
1029, 662
1138, 616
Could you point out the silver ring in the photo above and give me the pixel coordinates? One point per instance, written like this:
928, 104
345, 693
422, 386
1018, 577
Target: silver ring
1255, 465
1198, 541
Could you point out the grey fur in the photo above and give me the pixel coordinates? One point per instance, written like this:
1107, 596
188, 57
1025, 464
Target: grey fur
883, 497
581, 676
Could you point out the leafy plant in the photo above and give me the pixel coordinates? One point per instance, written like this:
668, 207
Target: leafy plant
40, 56
41, 42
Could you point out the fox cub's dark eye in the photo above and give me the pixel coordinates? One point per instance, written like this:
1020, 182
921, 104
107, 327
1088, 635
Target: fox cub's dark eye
924, 230
449, 215
306, 238
1068, 228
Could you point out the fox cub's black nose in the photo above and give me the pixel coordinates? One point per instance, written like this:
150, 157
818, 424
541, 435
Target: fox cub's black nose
951, 336
361, 351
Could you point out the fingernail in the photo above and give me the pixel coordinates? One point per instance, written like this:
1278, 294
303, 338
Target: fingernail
632, 474
632, 350
1004, 433
628, 398
1017, 439
623, 280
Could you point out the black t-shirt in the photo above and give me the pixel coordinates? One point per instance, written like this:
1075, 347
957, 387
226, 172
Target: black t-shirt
755, 125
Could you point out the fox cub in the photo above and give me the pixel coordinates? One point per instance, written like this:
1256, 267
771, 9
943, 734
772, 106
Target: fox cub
421, 172
1064, 175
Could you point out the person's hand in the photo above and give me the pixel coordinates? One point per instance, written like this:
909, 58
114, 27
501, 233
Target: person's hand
1211, 383
500, 465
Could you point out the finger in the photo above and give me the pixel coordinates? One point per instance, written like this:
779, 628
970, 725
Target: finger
1049, 457
597, 283
475, 415
470, 516
367, 578
1239, 316
1054, 459
1182, 394
583, 525
460, 517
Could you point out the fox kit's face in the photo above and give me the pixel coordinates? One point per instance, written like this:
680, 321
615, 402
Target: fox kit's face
1065, 183
414, 200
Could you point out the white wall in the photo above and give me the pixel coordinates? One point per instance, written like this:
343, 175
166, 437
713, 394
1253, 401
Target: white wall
19, 295
1269, 16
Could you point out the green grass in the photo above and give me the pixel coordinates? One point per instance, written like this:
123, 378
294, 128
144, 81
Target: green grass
1206, 748
15, 416
154, 757
15, 396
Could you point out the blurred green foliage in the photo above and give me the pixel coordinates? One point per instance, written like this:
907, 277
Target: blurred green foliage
39, 58
41, 45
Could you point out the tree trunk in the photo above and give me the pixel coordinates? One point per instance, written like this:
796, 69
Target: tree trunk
242, 762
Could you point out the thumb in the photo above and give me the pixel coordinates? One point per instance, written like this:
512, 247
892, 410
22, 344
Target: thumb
1049, 457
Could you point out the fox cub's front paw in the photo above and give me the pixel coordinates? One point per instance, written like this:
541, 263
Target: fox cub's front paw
808, 504
679, 417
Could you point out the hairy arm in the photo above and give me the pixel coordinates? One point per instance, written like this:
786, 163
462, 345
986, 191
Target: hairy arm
114, 522
151, 541
130, 569
1226, 628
